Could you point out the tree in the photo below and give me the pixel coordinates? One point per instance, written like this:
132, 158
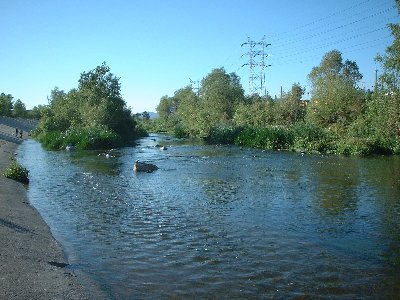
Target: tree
6, 105
390, 61
37, 112
336, 97
384, 108
93, 115
102, 104
167, 107
289, 108
145, 116
19, 110
219, 93
256, 111
61, 113
188, 111
332, 66
167, 117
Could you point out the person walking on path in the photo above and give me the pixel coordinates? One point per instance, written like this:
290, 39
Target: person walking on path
16, 132
20, 133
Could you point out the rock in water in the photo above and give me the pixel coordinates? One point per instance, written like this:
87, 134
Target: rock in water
144, 167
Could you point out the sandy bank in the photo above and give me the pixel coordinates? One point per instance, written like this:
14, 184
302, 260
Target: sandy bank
30, 258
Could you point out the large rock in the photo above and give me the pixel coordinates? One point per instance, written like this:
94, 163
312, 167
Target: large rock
144, 167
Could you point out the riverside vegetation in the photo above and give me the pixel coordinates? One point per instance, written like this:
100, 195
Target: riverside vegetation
340, 117
93, 116
17, 172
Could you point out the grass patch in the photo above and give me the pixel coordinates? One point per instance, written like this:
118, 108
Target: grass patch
82, 138
17, 172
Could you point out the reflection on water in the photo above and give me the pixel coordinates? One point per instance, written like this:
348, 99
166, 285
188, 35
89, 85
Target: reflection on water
223, 222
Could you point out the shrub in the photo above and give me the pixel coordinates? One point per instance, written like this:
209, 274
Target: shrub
311, 137
91, 138
140, 131
81, 138
363, 146
180, 132
382, 146
17, 172
274, 137
223, 135
51, 140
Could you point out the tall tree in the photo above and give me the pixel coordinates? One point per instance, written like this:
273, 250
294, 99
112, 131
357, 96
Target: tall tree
167, 107
102, 103
336, 97
93, 115
62, 111
145, 116
390, 61
289, 108
219, 93
19, 110
255, 111
384, 109
6, 105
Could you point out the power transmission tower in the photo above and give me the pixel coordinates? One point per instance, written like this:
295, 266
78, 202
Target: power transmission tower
257, 64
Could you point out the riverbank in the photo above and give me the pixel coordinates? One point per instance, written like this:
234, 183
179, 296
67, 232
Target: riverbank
32, 263
303, 137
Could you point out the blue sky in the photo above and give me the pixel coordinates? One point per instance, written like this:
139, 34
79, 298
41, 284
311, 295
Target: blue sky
155, 46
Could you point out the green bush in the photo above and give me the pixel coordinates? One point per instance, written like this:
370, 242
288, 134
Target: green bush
140, 131
311, 137
380, 146
51, 140
363, 146
223, 135
396, 146
180, 132
17, 172
91, 138
274, 137
81, 138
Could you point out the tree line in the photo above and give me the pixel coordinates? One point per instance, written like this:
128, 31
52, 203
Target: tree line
17, 109
340, 117
92, 116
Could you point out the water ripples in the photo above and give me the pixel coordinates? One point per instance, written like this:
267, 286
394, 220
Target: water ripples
219, 222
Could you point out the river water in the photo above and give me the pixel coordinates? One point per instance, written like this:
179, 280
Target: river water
222, 222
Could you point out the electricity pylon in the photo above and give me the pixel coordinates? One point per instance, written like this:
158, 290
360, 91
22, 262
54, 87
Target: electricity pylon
257, 64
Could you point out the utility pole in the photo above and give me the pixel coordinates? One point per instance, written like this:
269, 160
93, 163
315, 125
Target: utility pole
257, 65
376, 77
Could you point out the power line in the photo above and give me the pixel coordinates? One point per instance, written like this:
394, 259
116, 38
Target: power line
319, 33
366, 26
335, 43
340, 12
288, 36
312, 57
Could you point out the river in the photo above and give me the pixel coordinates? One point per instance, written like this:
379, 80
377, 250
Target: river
222, 222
